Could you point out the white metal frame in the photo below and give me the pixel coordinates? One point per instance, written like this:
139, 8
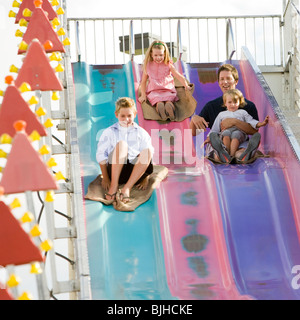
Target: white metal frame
99, 37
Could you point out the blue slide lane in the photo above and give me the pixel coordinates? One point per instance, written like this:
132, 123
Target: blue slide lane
125, 249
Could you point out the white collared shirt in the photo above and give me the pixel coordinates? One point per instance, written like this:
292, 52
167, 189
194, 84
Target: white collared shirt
135, 136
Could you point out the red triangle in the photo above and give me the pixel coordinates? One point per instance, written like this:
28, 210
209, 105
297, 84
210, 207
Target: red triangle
40, 28
37, 71
15, 108
5, 294
16, 245
29, 4
24, 169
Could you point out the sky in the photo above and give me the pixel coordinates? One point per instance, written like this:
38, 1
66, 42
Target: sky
137, 8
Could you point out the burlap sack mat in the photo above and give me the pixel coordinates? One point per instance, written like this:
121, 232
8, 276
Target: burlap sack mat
137, 197
184, 107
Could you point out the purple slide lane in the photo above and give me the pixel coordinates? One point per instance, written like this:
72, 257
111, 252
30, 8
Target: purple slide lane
258, 202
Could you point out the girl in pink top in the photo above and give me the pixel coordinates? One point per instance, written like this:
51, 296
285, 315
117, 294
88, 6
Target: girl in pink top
160, 89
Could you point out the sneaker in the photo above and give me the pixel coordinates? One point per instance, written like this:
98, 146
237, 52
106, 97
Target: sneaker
219, 148
251, 148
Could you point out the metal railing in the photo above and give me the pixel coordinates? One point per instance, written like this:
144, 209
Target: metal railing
203, 39
230, 44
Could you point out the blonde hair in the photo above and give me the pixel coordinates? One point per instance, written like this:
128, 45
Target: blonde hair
236, 95
125, 102
156, 45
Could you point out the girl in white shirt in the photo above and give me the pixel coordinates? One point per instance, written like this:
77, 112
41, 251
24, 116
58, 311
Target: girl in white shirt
124, 153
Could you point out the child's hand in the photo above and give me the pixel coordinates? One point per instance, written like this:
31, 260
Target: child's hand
142, 98
263, 123
266, 121
188, 88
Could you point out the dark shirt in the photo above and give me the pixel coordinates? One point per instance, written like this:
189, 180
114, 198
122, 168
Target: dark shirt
211, 110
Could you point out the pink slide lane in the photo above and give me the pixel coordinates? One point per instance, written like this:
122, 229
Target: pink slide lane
196, 258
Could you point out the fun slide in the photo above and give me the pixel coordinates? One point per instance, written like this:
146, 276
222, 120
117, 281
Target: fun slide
125, 249
209, 231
